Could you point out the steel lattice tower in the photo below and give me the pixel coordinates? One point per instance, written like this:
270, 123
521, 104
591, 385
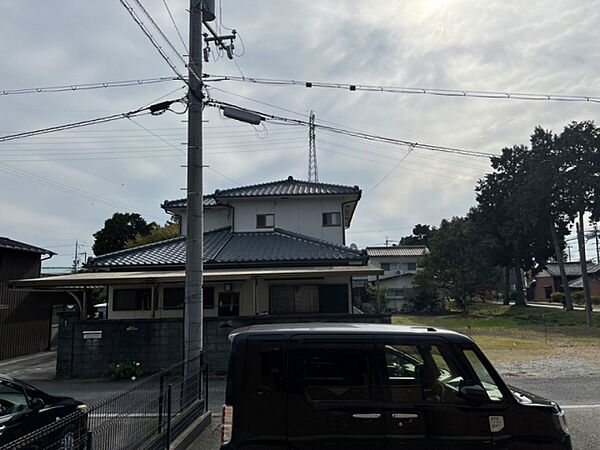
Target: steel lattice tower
313, 172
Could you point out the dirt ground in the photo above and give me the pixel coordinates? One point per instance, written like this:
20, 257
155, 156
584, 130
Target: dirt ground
534, 353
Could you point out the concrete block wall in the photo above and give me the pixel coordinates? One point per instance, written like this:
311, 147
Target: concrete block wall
158, 343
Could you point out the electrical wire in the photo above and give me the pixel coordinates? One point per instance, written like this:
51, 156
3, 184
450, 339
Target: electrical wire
413, 90
175, 25
361, 135
87, 86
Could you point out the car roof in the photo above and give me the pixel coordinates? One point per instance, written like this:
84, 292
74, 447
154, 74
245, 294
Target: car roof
322, 328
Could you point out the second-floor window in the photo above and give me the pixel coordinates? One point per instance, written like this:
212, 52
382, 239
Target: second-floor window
265, 220
332, 219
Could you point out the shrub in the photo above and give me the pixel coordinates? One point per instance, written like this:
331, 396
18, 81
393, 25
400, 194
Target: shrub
558, 297
578, 297
121, 370
595, 299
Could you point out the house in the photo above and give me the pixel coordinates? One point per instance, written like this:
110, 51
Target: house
273, 252
593, 278
548, 280
24, 322
399, 265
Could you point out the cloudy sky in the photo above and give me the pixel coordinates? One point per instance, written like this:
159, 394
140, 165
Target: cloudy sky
59, 188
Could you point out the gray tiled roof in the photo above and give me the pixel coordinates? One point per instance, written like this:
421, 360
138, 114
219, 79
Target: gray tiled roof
223, 247
401, 250
288, 187
572, 269
209, 200
15, 245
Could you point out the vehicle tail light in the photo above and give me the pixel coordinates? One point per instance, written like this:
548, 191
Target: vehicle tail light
226, 424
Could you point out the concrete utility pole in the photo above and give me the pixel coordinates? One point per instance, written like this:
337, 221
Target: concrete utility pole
193, 314
597, 248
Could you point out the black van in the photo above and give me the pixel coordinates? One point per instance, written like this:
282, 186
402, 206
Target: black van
371, 386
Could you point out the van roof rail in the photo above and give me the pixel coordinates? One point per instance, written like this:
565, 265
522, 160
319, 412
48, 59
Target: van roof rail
426, 328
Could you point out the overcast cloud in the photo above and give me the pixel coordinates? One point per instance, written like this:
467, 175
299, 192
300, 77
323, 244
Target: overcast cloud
58, 188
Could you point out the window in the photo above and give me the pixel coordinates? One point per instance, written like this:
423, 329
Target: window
486, 379
293, 299
420, 373
173, 298
229, 303
412, 266
208, 297
385, 266
132, 299
332, 219
12, 399
265, 220
335, 373
263, 367
395, 293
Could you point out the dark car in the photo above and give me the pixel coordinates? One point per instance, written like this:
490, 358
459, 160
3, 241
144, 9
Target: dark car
370, 386
24, 408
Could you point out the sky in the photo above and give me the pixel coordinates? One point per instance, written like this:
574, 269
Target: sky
59, 188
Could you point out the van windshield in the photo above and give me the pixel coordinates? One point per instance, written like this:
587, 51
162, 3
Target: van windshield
486, 379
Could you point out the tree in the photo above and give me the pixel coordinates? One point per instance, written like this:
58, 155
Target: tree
579, 148
119, 229
457, 261
420, 236
158, 233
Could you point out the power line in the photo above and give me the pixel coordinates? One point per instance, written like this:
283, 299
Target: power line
153, 109
87, 86
356, 134
175, 25
413, 90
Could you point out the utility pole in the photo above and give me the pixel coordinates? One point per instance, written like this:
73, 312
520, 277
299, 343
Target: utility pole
193, 314
75, 260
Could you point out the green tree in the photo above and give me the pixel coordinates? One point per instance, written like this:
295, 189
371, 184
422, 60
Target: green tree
579, 149
457, 261
119, 229
420, 236
157, 233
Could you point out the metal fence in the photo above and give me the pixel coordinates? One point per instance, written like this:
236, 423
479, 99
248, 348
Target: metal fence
149, 415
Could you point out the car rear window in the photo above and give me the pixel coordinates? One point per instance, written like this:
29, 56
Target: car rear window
263, 366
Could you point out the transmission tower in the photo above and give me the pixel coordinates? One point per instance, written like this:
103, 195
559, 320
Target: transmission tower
313, 172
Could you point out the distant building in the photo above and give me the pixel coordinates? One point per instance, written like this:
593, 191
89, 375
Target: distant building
24, 322
399, 265
549, 281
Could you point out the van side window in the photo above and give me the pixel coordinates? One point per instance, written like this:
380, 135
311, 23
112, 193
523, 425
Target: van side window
486, 379
263, 367
417, 373
336, 373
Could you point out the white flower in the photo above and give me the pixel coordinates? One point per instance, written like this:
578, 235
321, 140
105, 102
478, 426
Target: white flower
132, 378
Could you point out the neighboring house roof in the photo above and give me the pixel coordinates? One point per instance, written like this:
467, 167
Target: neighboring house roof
209, 200
593, 271
572, 269
400, 250
15, 245
224, 247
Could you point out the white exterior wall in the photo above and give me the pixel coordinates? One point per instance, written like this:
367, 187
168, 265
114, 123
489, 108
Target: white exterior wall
377, 261
214, 218
300, 215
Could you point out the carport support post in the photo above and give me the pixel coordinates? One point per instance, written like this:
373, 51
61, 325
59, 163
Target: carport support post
193, 314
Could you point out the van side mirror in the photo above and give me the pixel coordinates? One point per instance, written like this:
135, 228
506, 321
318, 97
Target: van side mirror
474, 394
37, 403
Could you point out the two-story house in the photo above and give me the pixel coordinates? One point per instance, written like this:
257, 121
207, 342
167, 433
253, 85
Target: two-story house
399, 265
272, 251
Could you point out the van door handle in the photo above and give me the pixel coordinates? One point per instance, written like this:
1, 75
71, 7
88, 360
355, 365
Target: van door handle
367, 416
404, 416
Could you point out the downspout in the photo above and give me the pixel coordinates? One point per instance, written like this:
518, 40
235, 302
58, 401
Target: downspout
378, 295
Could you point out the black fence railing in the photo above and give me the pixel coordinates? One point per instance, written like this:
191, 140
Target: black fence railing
149, 415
